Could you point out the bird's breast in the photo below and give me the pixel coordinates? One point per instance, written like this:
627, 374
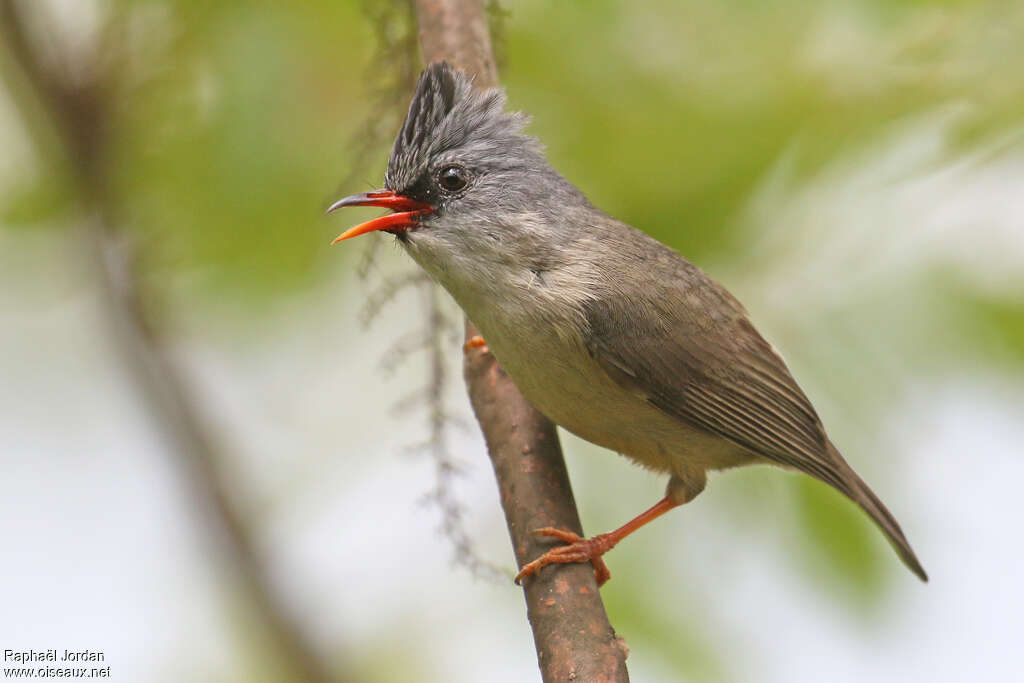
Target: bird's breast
540, 343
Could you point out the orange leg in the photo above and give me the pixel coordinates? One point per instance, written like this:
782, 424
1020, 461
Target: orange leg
591, 549
475, 342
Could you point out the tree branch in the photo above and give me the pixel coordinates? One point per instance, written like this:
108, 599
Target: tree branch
571, 631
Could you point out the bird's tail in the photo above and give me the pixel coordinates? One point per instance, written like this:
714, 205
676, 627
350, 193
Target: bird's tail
861, 493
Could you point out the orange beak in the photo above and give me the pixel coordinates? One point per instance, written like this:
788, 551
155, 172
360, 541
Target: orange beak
409, 212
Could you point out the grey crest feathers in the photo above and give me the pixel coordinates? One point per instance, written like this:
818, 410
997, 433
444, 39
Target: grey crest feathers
446, 113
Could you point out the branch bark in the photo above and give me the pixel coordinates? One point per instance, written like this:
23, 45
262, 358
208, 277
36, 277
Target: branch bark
571, 631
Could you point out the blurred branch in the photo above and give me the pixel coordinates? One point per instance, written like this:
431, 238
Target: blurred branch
79, 111
571, 631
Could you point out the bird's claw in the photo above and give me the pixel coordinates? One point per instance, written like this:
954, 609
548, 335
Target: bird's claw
578, 549
475, 342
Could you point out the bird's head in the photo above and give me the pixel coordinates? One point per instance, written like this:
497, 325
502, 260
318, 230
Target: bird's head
463, 179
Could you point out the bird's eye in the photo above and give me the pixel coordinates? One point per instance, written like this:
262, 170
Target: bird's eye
453, 178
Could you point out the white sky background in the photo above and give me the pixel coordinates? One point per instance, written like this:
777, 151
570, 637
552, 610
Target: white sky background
103, 549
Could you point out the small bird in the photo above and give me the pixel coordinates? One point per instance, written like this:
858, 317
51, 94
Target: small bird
609, 333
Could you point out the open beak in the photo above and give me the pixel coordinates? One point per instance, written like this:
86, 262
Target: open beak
409, 212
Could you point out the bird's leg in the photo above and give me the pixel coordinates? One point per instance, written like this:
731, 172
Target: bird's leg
581, 549
475, 342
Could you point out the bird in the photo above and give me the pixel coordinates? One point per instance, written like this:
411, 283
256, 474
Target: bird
609, 333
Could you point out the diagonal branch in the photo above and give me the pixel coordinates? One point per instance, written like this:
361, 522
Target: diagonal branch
573, 636
78, 117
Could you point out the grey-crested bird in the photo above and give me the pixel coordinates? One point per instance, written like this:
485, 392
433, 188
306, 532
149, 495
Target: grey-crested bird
605, 330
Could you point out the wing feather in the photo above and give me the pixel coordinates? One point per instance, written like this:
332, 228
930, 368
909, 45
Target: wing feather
717, 374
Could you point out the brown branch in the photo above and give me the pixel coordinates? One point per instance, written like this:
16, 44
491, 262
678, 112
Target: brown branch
78, 114
573, 636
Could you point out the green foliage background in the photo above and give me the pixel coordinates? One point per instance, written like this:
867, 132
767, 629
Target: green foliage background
234, 124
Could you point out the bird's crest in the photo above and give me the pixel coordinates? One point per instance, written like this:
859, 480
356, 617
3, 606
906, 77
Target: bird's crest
447, 113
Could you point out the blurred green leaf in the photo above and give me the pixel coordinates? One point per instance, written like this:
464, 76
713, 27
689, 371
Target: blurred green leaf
842, 544
993, 326
41, 200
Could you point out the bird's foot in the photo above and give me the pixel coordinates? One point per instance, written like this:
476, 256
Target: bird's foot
579, 549
475, 342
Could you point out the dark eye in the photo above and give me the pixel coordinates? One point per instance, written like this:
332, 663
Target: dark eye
453, 178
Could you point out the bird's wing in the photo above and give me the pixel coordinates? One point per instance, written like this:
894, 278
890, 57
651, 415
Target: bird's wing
713, 370
686, 345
